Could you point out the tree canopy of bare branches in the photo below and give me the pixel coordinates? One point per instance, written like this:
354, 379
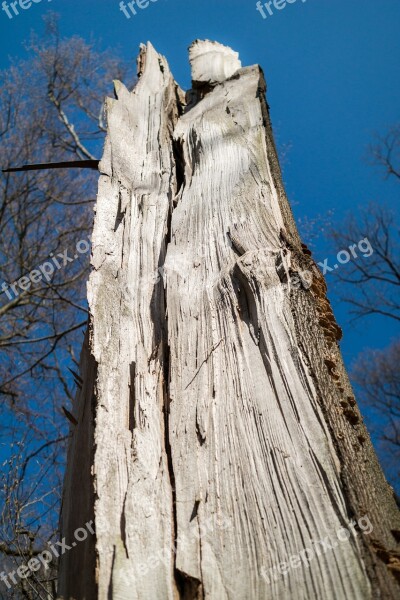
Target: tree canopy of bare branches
385, 152
371, 286
377, 372
51, 109
373, 283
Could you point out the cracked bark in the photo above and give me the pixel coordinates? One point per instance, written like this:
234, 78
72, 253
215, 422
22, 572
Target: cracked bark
217, 431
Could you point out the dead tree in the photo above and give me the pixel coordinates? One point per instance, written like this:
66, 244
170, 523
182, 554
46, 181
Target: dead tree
218, 436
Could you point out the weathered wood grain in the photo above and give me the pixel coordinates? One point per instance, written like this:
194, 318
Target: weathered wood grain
133, 507
248, 437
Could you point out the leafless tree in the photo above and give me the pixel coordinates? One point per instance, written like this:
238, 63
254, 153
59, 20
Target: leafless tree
372, 287
29, 491
51, 109
372, 283
377, 372
385, 152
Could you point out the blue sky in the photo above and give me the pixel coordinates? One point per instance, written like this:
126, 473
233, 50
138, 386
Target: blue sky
332, 69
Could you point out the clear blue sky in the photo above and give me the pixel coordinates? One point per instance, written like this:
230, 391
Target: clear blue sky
332, 69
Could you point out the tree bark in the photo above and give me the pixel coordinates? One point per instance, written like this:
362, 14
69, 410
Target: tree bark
217, 434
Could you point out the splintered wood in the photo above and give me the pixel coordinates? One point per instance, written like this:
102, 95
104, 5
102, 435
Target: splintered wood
218, 446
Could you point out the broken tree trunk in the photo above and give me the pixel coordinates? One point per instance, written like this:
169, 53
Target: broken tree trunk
217, 434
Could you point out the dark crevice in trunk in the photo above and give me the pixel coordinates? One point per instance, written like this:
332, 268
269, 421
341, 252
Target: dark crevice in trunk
166, 375
132, 396
168, 451
189, 588
177, 149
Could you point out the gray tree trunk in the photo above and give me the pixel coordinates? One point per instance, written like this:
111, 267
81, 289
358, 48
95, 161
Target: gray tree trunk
217, 435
